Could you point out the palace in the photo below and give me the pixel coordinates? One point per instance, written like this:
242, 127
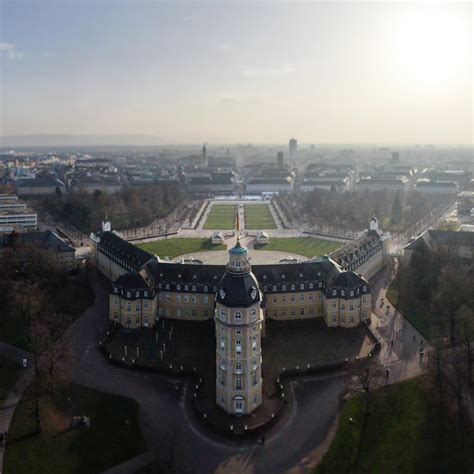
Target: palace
239, 298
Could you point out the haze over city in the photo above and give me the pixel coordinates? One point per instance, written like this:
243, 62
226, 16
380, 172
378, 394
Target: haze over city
236, 72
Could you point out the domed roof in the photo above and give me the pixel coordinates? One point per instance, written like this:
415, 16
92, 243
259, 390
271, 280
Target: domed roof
238, 290
238, 249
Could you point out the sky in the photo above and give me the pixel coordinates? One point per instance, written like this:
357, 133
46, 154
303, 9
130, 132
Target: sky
238, 72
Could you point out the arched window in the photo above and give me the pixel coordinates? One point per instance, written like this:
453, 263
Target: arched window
238, 315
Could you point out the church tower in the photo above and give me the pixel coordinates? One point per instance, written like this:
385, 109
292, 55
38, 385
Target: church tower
238, 318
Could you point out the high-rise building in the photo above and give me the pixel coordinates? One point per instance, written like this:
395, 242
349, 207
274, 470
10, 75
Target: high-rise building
280, 159
293, 148
238, 317
204, 157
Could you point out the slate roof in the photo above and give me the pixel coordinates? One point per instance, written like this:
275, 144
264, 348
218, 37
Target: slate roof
132, 281
46, 240
237, 290
134, 256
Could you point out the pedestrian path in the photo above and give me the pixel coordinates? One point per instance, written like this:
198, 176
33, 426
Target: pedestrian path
8, 406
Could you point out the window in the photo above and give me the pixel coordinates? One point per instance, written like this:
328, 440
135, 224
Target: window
311, 286
137, 320
193, 299
364, 299
223, 315
178, 313
334, 304
343, 293
115, 289
311, 310
274, 299
206, 288
334, 292
292, 287
351, 319
238, 332
255, 400
283, 313
301, 311
137, 307
343, 318
274, 288
129, 295
301, 286
351, 307
178, 298
238, 315
343, 306
351, 293
116, 315
146, 320
167, 286
206, 299
293, 298
274, 313
238, 382
186, 287
254, 344
222, 376
302, 297
320, 284
238, 347
283, 287
222, 343
129, 321
193, 288
116, 301
293, 311
193, 313
145, 294
283, 298
186, 298
178, 287
364, 288
137, 294
334, 318
254, 378
311, 297
254, 314
364, 314
129, 307
167, 296
238, 368
206, 313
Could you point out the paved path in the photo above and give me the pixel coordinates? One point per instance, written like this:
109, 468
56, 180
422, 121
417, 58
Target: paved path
401, 342
8, 406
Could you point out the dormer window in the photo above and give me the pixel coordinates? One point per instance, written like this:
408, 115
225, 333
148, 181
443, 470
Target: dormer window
311, 286
364, 288
274, 288
301, 286
193, 288
206, 288
320, 284
115, 289
222, 294
129, 295
137, 294
334, 292
167, 286
283, 287
178, 287
238, 315
351, 293
292, 287
253, 293
186, 287
343, 293
146, 294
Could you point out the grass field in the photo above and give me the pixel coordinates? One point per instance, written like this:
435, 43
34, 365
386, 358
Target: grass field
405, 433
9, 374
306, 246
221, 217
180, 246
258, 217
114, 435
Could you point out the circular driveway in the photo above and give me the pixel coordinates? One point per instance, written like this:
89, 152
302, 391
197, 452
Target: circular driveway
257, 257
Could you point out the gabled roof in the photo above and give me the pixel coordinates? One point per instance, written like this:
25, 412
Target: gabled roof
132, 281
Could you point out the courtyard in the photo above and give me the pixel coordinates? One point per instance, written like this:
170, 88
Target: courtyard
258, 217
221, 217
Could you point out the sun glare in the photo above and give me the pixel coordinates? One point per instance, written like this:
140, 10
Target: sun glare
432, 47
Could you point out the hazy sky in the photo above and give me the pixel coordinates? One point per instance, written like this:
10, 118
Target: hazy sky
239, 72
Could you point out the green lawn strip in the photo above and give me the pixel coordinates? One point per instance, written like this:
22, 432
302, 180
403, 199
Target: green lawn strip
405, 432
9, 373
221, 216
258, 216
70, 300
306, 246
179, 246
113, 437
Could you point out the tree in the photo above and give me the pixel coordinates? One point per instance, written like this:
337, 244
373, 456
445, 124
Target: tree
396, 213
466, 337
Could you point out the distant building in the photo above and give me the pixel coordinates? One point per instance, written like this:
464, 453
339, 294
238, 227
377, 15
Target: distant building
382, 184
38, 187
21, 216
436, 187
63, 253
293, 148
395, 157
339, 185
465, 203
210, 182
280, 160
459, 245
269, 185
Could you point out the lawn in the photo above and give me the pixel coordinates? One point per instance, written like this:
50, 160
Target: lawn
71, 300
405, 433
307, 246
114, 435
180, 246
221, 217
9, 374
258, 217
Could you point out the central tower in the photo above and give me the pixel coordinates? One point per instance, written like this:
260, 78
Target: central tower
238, 317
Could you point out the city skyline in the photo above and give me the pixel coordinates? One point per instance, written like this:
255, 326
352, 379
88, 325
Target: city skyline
239, 73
